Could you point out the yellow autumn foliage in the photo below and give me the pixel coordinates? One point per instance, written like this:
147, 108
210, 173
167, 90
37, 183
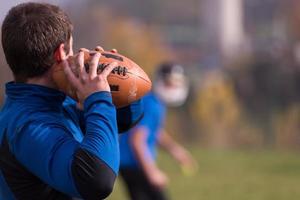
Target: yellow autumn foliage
220, 117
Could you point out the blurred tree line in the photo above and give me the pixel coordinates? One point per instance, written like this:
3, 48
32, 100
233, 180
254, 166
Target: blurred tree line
254, 100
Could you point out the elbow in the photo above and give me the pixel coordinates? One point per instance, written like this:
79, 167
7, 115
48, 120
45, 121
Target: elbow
129, 116
93, 178
105, 188
101, 189
123, 127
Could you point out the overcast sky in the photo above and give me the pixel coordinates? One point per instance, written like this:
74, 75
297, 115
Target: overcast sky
5, 5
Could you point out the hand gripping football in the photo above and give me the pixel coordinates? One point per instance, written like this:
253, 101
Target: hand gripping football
128, 82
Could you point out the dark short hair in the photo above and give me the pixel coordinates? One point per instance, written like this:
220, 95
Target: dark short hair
31, 32
165, 69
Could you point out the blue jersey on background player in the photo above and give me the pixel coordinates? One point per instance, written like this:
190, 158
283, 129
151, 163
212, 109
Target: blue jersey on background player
155, 109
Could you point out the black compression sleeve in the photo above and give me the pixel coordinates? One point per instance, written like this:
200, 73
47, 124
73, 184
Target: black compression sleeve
93, 178
129, 116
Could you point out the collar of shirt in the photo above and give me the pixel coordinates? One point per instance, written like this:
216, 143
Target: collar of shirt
33, 94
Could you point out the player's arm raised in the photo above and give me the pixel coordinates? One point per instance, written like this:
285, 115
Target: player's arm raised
99, 148
178, 152
47, 148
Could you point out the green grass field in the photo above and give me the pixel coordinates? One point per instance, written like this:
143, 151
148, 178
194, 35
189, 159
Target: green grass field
232, 175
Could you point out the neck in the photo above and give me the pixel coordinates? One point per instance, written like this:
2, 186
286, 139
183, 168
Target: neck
45, 80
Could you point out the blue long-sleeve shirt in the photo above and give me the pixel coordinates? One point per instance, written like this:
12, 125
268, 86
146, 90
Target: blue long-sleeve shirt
59, 150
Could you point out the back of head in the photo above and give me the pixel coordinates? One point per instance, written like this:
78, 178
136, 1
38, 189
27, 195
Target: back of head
31, 32
171, 84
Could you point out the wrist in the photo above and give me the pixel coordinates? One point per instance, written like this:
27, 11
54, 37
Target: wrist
151, 169
102, 96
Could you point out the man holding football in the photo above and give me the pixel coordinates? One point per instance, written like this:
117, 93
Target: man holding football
50, 149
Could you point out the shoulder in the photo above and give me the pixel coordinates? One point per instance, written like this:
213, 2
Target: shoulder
150, 100
34, 123
152, 103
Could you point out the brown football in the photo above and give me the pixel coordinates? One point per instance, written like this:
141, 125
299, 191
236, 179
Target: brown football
128, 82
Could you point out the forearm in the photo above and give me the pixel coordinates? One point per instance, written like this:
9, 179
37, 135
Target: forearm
168, 143
178, 152
144, 158
141, 151
96, 162
101, 136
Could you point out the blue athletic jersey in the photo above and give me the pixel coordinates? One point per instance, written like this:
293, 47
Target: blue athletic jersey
152, 122
45, 133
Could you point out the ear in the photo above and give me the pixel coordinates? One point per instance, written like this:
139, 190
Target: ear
60, 53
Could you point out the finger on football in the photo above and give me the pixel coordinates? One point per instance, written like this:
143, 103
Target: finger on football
99, 48
69, 74
114, 51
108, 69
93, 65
84, 49
76, 64
80, 63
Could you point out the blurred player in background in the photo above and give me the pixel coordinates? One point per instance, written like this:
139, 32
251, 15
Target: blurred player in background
143, 179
